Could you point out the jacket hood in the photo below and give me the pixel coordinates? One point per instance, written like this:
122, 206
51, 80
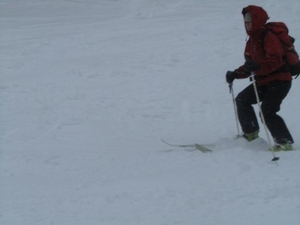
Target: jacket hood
259, 18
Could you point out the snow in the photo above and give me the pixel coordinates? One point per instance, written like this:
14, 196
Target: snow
88, 89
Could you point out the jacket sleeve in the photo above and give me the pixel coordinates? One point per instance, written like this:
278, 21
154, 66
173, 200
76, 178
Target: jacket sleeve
241, 70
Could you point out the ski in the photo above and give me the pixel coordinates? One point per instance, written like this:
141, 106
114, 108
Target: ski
200, 147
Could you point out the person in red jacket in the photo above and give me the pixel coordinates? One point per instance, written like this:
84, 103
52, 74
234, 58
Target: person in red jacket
265, 62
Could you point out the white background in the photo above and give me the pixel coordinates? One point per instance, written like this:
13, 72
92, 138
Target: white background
89, 87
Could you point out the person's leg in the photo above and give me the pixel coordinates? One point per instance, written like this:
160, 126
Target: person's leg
246, 114
271, 102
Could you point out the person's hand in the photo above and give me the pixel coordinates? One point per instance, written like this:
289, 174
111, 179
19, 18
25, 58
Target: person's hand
295, 70
230, 76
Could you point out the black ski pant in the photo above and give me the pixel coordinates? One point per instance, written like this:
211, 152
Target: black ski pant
271, 97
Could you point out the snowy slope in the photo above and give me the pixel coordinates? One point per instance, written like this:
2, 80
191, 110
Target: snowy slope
88, 89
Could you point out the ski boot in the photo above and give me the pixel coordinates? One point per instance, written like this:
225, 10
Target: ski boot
282, 147
251, 136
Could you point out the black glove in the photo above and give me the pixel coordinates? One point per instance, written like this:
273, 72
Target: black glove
295, 69
230, 76
251, 65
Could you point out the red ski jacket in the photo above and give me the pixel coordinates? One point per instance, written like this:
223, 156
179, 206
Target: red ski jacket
269, 54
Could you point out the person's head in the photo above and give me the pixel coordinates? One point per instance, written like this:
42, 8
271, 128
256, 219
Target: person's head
255, 18
248, 21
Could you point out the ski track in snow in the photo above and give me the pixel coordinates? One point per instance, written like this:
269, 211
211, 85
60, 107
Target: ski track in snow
88, 89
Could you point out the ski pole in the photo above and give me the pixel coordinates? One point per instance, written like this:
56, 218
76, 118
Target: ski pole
235, 109
263, 118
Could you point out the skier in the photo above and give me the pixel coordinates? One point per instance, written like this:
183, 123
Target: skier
273, 80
